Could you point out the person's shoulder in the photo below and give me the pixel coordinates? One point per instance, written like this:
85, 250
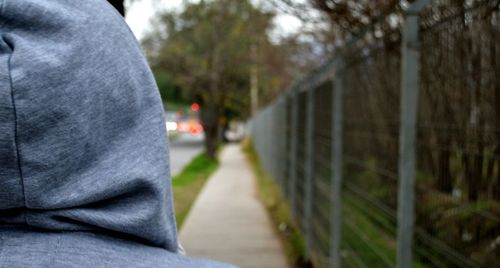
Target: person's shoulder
26, 249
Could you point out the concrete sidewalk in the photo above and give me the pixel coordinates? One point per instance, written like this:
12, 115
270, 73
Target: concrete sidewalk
228, 223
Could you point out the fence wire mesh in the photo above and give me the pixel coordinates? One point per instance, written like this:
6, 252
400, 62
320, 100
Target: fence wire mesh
457, 187
371, 133
458, 223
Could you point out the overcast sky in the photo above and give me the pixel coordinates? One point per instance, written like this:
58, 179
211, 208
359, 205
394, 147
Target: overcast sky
139, 15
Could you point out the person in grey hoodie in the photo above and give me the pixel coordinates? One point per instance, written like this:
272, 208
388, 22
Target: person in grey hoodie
84, 169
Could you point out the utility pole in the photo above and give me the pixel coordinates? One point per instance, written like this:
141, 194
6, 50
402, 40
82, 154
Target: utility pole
254, 81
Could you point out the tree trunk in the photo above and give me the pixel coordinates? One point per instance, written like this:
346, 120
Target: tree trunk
445, 183
210, 121
469, 176
496, 100
497, 188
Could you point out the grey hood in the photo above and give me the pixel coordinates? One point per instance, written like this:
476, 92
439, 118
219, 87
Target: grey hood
84, 173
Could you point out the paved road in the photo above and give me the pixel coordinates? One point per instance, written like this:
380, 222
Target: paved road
228, 223
182, 151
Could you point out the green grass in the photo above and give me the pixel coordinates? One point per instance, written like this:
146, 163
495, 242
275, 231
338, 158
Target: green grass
271, 197
372, 244
189, 182
369, 237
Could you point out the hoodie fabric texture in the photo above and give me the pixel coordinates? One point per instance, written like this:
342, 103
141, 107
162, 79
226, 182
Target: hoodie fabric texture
84, 174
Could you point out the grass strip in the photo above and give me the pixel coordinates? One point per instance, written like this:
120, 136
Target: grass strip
188, 184
278, 210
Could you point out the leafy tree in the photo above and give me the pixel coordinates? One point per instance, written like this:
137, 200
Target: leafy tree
209, 49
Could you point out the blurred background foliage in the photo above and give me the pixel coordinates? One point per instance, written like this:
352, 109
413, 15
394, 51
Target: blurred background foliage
206, 53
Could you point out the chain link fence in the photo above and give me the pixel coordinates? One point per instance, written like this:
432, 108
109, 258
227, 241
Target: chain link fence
389, 155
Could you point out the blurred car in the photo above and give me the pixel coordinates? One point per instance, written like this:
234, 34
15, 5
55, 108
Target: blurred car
190, 125
171, 119
236, 131
184, 121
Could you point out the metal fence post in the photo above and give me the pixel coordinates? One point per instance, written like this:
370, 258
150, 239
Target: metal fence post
270, 140
277, 140
293, 150
407, 135
283, 115
337, 165
308, 204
